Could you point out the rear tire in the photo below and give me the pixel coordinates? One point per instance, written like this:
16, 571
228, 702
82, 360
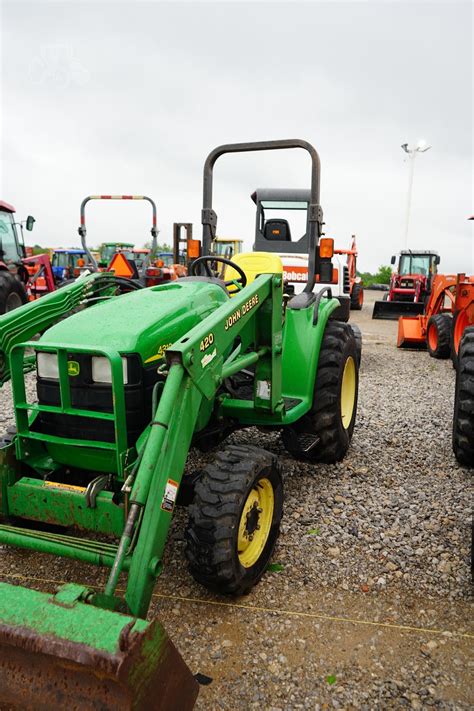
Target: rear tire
357, 297
460, 324
12, 293
463, 419
325, 432
234, 520
438, 336
358, 340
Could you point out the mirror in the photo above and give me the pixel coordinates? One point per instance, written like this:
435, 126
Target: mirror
437, 259
30, 221
392, 261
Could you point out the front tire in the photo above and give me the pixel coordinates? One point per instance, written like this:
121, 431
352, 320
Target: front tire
325, 432
234, 520
438, 336
12, 293
463, 419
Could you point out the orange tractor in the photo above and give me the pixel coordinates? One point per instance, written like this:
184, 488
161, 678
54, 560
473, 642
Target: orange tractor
463, 312
355, 282
433, 327
449, 312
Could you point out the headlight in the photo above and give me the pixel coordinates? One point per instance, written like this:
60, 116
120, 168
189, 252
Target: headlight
102, 372
47, 365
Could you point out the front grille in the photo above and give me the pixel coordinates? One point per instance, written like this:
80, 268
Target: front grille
87, 395
347, 281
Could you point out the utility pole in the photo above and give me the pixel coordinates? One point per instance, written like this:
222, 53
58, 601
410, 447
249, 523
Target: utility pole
421, 147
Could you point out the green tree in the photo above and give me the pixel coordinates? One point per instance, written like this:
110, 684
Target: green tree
383, 275
159, 247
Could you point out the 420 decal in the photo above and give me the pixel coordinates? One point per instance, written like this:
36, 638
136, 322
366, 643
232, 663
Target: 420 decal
206, 342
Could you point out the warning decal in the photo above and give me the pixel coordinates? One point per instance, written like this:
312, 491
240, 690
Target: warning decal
169, 497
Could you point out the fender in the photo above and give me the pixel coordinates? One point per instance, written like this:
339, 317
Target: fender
302, 353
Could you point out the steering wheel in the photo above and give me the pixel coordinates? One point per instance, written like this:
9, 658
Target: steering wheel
211, 271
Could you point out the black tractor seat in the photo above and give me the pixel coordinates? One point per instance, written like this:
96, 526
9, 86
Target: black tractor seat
277, 230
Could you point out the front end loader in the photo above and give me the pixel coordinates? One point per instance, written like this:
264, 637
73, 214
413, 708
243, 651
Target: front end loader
126, 384
410, 285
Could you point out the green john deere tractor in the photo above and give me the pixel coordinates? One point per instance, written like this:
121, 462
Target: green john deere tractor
126, 385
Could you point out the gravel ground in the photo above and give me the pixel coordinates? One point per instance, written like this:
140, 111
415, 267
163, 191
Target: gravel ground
372, 605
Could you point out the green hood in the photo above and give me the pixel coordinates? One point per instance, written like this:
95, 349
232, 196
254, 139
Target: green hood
146, 322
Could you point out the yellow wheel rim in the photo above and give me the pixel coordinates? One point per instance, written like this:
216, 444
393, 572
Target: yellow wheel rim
348, 392
255, 523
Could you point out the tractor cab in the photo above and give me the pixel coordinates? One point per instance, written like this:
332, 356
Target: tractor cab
68, 263
15, 277
11, 250
140, 255
281, 228
414, 263
109, 249
272, 229
166, 258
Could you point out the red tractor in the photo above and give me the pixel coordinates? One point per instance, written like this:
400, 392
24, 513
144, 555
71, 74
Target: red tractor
22, 278
410, 285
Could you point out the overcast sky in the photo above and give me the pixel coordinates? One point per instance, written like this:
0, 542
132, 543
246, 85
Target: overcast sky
130, 97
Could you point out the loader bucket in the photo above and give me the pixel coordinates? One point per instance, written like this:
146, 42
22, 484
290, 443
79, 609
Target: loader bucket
410, 334
392, 310
56, 652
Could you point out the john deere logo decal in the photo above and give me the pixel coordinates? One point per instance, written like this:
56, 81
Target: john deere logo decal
73, 368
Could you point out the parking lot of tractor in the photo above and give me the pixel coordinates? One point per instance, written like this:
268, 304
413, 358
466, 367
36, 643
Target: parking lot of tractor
366, 600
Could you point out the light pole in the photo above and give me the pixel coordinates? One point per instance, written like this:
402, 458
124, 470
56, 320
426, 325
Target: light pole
421, 147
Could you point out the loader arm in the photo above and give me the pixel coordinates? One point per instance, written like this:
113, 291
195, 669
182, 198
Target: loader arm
197, 367
25, 322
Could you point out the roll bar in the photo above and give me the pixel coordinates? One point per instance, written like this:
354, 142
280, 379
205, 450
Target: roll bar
315, 213
82, 228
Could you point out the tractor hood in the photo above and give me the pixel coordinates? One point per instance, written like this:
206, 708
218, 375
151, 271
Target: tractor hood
146, 322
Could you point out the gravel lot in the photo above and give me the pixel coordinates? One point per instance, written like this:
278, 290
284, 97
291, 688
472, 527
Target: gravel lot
372, 605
